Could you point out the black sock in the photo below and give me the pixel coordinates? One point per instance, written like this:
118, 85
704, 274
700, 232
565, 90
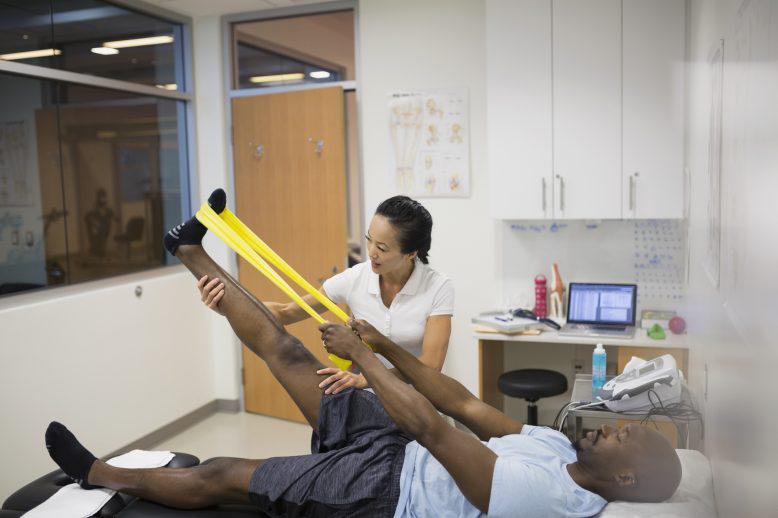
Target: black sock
192, 232
69, 454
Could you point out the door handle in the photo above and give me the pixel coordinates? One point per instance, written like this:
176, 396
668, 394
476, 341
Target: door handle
318, 145
561, 192
259, 150
543, 195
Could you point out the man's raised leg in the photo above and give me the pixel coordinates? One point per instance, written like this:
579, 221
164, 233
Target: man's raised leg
290, 362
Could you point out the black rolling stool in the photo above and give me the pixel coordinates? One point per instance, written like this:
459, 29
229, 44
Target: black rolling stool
532, 384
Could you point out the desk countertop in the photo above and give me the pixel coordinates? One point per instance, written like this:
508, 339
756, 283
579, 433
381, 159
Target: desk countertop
640, 339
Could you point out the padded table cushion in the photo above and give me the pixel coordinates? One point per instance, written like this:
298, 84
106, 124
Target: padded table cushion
144, 509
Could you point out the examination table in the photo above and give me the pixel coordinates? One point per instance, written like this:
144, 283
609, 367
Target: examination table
694, 497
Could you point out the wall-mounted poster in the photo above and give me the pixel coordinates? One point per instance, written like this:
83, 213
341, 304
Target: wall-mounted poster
429, 133
15, 188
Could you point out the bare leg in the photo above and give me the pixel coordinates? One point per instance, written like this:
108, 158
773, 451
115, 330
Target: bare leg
221, 481
289, 361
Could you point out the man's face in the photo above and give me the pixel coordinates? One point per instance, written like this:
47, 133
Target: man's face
633, 462
609, 449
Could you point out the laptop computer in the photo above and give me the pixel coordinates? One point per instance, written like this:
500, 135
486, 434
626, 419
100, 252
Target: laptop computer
601, 310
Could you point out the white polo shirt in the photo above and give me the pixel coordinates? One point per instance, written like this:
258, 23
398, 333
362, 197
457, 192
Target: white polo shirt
426, 293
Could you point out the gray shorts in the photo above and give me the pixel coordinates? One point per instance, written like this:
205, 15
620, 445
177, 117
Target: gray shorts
353, 470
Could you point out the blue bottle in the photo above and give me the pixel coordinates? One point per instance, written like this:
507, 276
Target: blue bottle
598, 370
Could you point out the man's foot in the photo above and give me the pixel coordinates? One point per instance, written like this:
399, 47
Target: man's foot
192, 232
69, 454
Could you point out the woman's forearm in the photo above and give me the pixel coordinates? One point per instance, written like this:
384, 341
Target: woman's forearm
291, 313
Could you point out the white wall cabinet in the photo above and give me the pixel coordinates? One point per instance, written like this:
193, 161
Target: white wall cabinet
653, 106
519, 108
585, 108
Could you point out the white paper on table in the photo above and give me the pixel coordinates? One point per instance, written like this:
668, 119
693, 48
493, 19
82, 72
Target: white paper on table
72, 502
141, 459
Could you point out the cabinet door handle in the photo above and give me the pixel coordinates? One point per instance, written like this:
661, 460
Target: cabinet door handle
543, 195
561, 193
633, 186
631, 192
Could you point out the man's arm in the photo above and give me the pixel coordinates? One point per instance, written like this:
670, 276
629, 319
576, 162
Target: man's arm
434, 346
448, 395
470, 463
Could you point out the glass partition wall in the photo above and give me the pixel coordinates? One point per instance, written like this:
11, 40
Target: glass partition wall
94, 161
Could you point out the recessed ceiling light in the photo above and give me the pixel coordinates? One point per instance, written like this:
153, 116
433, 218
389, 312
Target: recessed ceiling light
297, 76
320, 74
169, 86
139, 42
105, 51
42, 53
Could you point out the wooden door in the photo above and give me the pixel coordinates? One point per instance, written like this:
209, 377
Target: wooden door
587, 108
290, 188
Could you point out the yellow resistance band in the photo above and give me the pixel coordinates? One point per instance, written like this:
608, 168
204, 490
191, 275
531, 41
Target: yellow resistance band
248, 245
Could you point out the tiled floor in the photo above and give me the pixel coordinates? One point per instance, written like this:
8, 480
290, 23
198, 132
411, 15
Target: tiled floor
244, 435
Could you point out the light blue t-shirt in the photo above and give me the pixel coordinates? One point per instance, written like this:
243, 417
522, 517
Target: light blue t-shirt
530, 479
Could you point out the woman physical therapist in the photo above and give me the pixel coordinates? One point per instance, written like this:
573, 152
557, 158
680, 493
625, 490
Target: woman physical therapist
396, 291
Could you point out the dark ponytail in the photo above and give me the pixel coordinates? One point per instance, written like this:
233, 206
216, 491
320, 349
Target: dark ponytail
413, 223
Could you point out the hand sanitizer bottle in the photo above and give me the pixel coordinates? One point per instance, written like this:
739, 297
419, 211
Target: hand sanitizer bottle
598, 370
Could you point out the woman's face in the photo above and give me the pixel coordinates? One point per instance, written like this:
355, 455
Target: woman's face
383, 247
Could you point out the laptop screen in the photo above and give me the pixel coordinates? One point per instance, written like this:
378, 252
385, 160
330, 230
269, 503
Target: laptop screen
605, 304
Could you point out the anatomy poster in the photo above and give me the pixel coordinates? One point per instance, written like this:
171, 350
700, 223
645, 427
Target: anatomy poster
429, 133
15, 189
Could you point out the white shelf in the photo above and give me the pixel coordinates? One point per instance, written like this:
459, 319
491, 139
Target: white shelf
640, 339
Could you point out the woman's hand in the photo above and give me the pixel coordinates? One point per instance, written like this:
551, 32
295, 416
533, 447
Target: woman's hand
369, 334
211, 292
341, 380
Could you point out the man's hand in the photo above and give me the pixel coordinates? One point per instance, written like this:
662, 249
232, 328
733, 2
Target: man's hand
369, 334
340, 340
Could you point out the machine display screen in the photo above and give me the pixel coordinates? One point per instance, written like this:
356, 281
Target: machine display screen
607, 304
646, 368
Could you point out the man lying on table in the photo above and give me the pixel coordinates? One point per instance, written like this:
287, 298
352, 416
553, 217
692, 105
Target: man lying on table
388, 453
